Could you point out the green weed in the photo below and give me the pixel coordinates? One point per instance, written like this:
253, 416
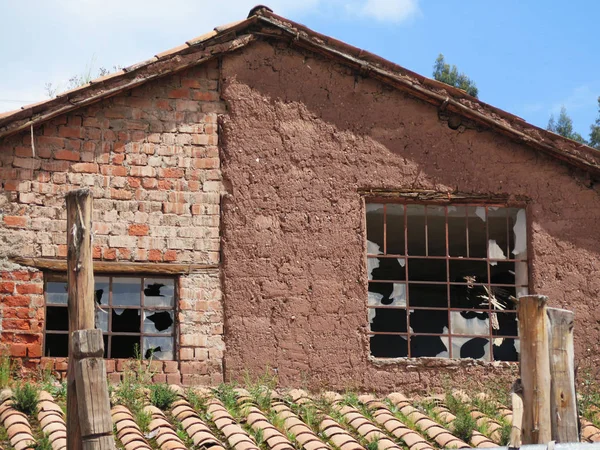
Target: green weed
5, 370
162, 396
25, 398
373, 444
464, 424
227, 395
505, 433
43, 443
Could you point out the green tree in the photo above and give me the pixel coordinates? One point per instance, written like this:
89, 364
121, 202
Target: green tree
595, 131
449, 74
564, 126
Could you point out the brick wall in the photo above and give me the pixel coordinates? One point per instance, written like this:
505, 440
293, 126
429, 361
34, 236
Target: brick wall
151, 159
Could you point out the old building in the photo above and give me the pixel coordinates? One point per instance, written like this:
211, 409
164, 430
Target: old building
269, 196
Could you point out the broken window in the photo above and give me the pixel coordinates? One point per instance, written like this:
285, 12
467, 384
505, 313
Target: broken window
443, 280
135, 314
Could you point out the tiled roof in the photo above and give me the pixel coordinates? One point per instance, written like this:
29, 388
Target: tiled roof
262, 23
274, 420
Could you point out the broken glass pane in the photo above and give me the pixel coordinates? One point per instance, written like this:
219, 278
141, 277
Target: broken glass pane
375, 226
464, 270
466, 296
57, 318
158, 322
506, 349
467, 347
470, 323
434, 321
391, 269
389, 346
159, 292
430, 346
126, 320
436, 230
457, 231
507, 324
158, 347
427, 269
477, 234
56, 293
101, 318
126, 291
415, 226
124, 346
389, 320
395, 229
428, 295
517, 223
57, 345
388, 294
101, 290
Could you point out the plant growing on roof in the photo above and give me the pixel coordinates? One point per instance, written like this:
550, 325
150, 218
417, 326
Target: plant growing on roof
43, 443
373, 444
227, 395
162, 396
25, 398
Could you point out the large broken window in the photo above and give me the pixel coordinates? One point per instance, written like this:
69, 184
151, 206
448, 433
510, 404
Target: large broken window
135, 314
443, 280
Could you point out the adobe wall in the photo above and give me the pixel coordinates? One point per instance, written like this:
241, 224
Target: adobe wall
150, 158
301, 137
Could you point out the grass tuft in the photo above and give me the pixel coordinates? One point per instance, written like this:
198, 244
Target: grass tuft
162, 396
25, 398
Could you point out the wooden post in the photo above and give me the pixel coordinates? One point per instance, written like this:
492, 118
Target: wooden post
563, 404
535, 369
516, 397
92, 390
80, 281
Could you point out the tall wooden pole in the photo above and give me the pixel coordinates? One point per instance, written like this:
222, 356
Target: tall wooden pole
80, 282
535, 369
562, 370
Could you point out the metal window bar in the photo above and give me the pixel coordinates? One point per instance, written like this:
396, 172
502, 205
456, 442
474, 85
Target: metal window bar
489, 309
109, 308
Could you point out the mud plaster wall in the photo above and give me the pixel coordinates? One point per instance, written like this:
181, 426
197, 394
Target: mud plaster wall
301, 137
151, 160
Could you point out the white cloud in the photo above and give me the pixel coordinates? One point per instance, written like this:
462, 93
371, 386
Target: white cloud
386, 10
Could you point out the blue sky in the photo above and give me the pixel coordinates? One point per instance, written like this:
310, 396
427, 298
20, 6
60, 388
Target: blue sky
527, 57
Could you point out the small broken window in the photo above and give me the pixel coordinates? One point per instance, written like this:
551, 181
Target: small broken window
136, 316
443, 280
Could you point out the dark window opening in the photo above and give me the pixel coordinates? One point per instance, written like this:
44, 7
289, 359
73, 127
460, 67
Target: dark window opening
443, 280
136, 315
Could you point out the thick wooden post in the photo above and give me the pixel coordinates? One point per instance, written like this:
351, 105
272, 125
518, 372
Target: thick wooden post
516, 397
562, 370
535, 369
80, 281
92, 390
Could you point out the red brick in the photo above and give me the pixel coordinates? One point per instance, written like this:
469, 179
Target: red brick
149, 183
50, 141
66, 155
34, 351
170, 255
118, 159
174, 378
114, 377
15, 221
179, 93
171, 366
30, 288
15, 300
110, 365
16, 324
159, 378
85, 167
16, 313
205, 96
61, 251
138, 229
7, 287
134, 183
109, 253
18, 350
97, 252
70, 132
121, 194
154, 255
124, 253
117, 171
21, 275
170, 173
164, 105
